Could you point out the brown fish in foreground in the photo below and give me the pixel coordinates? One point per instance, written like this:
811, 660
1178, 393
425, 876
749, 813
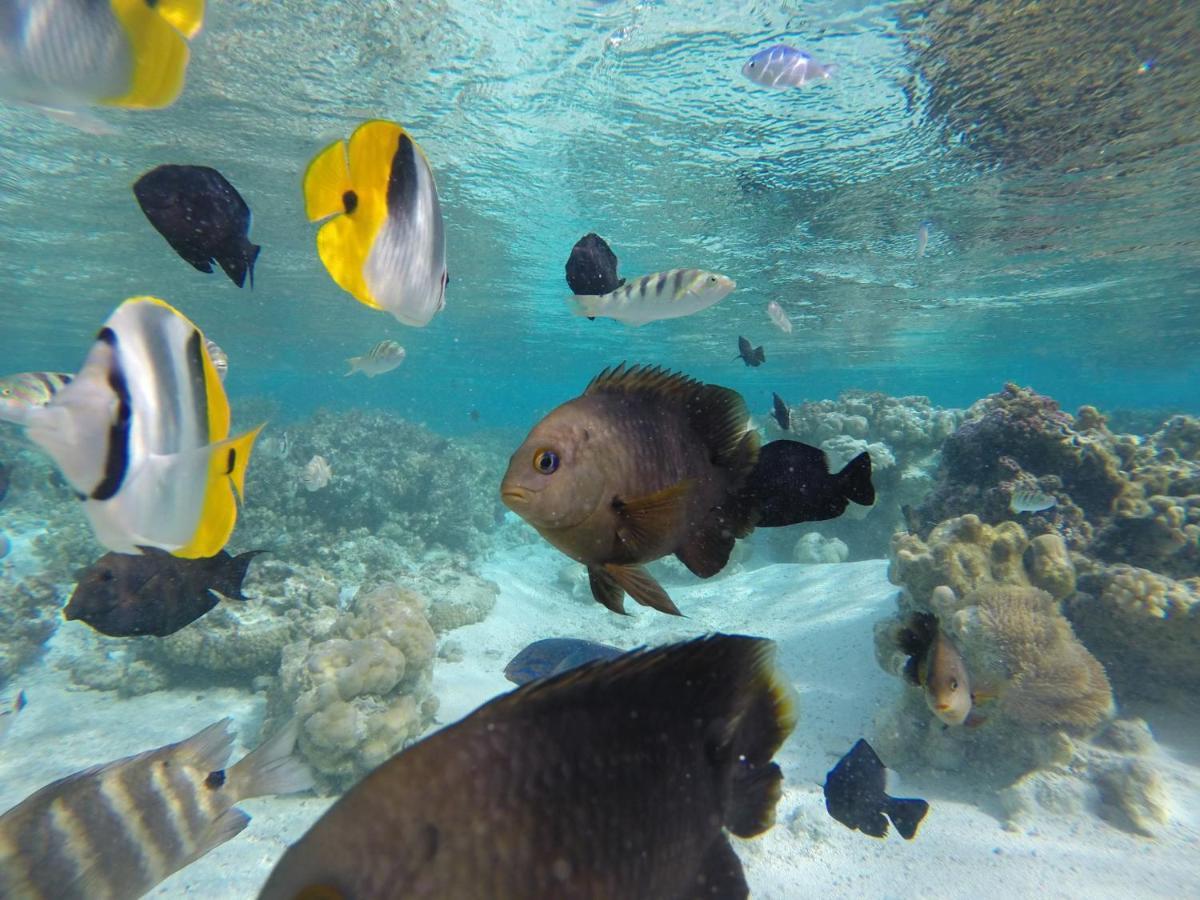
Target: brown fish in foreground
122, 594
114, 831
616, 779
935, 664
647, 463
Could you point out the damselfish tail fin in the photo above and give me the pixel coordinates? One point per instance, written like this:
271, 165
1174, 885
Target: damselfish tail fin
238, 262
271, 768
230, 572
855, 479
906, 815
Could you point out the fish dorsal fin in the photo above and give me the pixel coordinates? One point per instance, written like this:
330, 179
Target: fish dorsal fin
717, 415
207, 750
644, 520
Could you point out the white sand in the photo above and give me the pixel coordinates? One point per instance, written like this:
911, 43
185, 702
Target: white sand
822, 618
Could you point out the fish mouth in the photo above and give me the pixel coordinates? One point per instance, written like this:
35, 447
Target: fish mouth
515, 496
942, 707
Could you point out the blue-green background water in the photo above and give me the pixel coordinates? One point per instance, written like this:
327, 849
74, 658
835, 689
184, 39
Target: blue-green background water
1073, 270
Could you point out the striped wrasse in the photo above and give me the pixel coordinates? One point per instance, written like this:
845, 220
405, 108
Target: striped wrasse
383, 357
28, 390
665, 295
118, 829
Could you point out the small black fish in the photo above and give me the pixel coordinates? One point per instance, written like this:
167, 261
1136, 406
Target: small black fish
781, 413
474, 415
551, 656
156, 593
751, 356
792, 483
202, 217
592, 267
855, 796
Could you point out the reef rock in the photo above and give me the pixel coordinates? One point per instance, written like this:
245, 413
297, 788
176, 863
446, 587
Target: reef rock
29, 614
362, 693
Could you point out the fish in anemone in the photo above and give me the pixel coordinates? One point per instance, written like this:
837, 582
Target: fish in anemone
646, 463
142, 434
384, 242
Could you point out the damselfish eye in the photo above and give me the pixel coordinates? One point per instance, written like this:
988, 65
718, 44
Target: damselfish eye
954, 684
545, 461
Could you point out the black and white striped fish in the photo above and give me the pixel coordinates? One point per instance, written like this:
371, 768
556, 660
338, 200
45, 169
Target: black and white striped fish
24, 391
118, 829
383, 357
142, 434
1026, 499
665, 295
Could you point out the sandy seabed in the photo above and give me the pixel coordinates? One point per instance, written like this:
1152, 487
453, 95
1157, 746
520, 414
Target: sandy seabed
822, 618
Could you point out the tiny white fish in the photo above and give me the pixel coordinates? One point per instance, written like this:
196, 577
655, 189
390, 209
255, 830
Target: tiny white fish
383, 357
779, 317
1025, 500
316, 474
922, 239
782, 66
219, 360
664, 295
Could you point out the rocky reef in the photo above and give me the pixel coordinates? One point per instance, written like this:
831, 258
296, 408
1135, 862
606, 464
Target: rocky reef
28, 618
903, 435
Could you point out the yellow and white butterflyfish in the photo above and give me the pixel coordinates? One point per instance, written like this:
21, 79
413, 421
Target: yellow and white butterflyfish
385, 243
64, 54
142, 434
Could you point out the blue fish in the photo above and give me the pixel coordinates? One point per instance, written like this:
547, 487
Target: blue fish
782, 66
551, 656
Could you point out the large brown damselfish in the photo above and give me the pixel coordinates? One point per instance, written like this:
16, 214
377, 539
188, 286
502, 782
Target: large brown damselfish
649, 462
617, 779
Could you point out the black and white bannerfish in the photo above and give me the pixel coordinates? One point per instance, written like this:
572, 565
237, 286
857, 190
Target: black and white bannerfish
142, 434
118, 829
24, 391
385, 242
665, 295
63, 55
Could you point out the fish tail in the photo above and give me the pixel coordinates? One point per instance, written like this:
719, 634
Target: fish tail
856, 480
906, 815
271, 768
765, 716
354, 365
238, 262
230, 573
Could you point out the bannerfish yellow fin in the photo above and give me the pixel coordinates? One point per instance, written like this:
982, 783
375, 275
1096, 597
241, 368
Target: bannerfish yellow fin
227, 463
159, 48
350, 183
641, 586
644, 520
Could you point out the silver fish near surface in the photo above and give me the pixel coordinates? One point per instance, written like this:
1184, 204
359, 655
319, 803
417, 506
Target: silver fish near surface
62, 55
114, 831
780, 318
1027, 500
782, 66
24, 391
651, 298
383, 357
142, 434
922, 239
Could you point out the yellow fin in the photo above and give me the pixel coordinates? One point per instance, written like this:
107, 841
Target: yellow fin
350, 183
326, 181
644, 520
227, 463
160, 56
185, 15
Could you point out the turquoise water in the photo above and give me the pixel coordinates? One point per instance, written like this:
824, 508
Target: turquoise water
1055, 158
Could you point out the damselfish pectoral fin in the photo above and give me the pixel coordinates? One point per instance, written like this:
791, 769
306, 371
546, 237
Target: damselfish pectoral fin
706, 552
645, 521
606, 591
641, 586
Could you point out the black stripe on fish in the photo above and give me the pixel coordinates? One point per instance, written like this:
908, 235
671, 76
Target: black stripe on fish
196, 355
679, 273
116, 463
402, 181
643, 284
660, 282
47, 382
154, 818
193, 814
349, 202
231, 461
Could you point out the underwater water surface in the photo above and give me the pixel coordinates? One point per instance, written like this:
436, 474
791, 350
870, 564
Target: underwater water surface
981, 194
